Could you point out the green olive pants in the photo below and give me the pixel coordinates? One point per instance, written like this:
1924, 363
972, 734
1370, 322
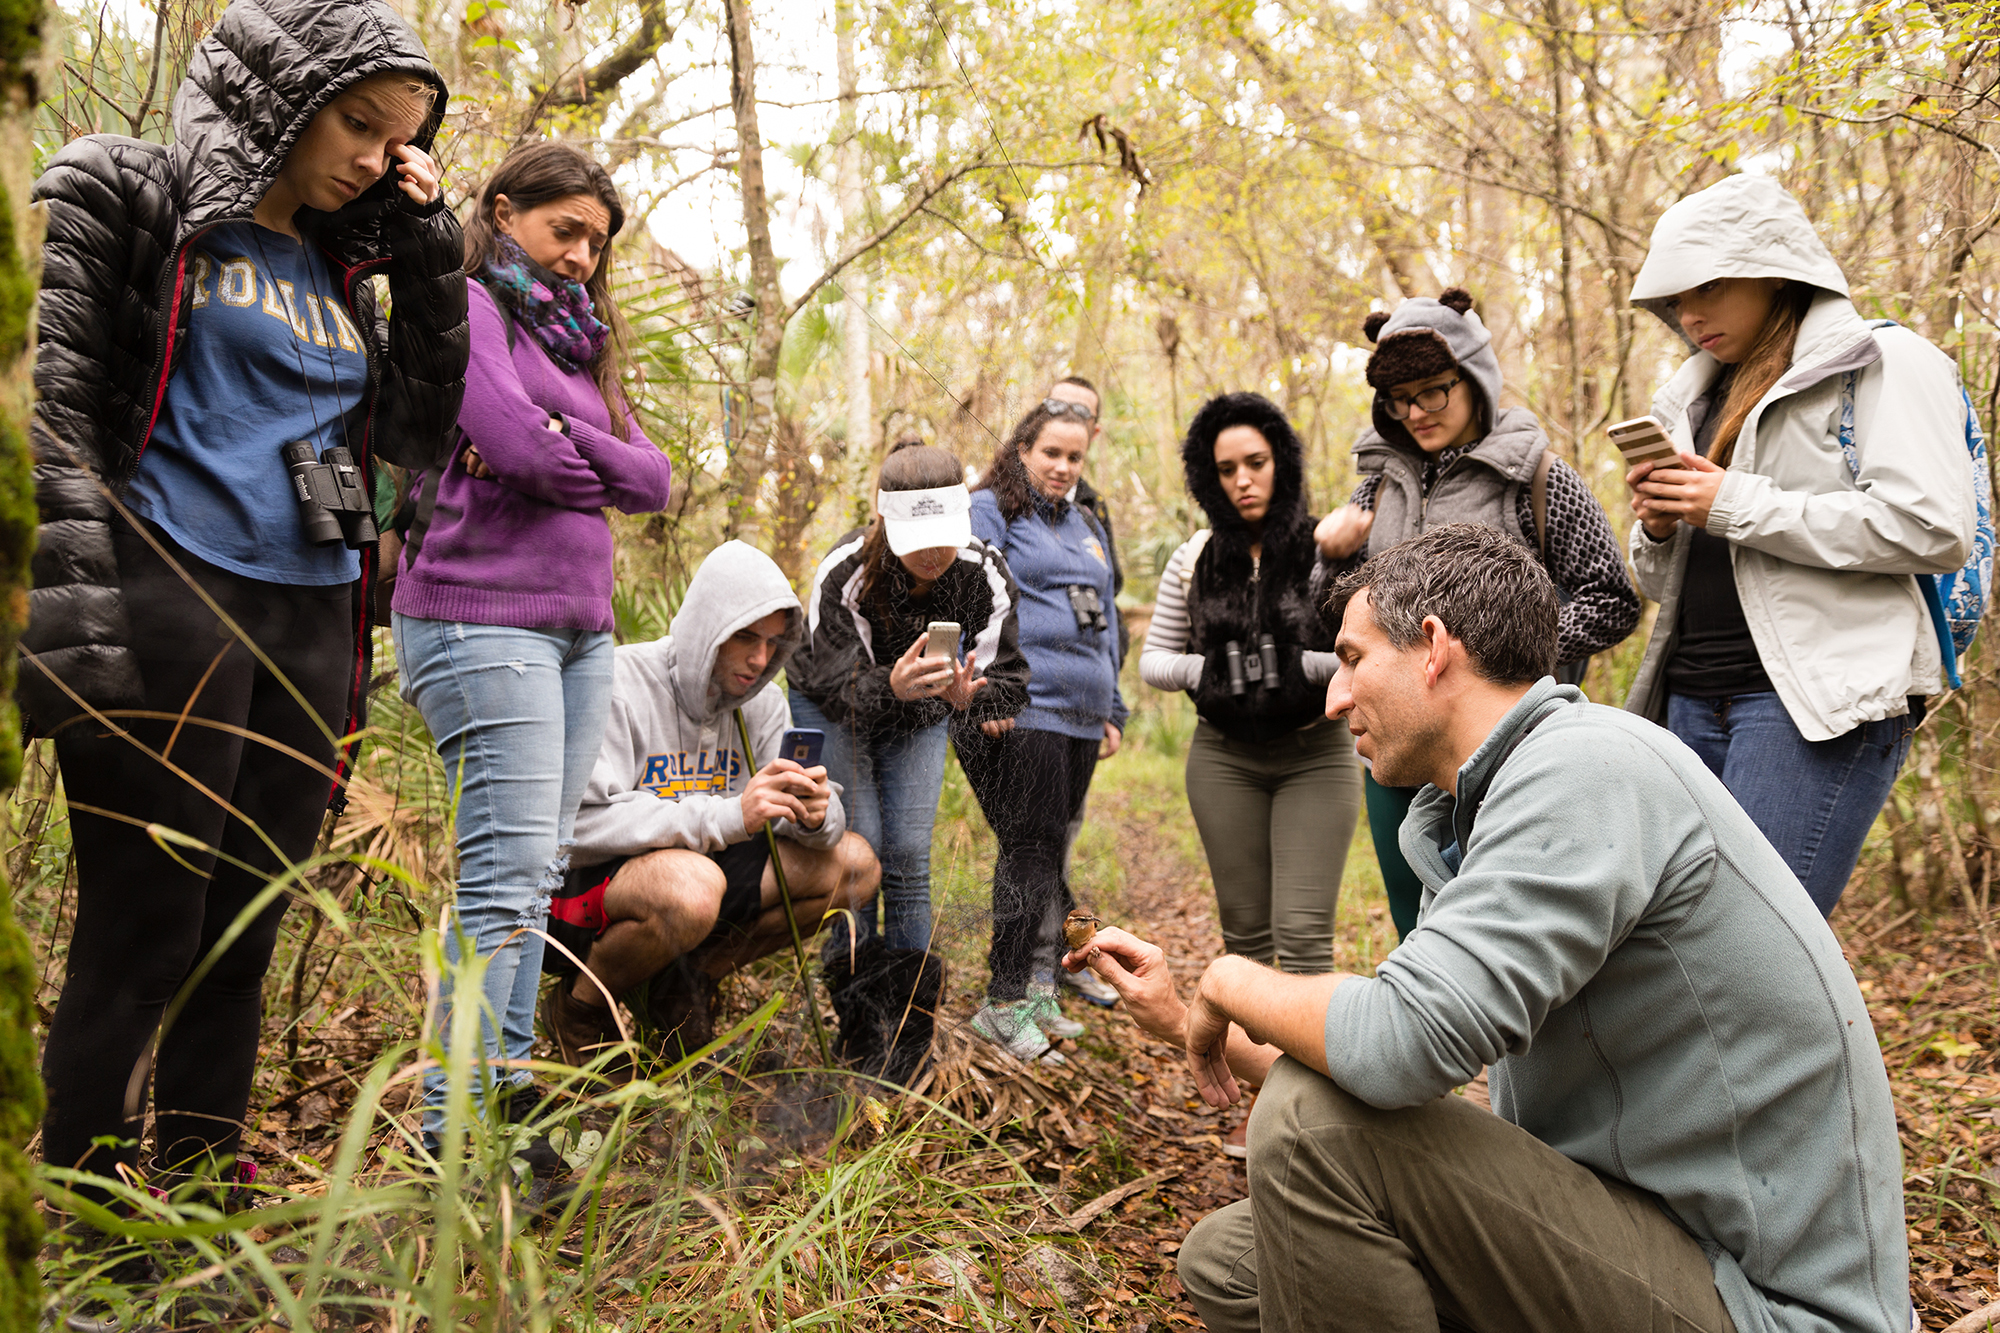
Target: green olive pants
1276, 820
1441, 1216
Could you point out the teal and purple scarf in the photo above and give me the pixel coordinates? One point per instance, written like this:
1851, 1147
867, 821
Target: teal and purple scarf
555, 309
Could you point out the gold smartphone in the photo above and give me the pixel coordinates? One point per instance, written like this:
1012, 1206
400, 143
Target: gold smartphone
1643, 440
943, 639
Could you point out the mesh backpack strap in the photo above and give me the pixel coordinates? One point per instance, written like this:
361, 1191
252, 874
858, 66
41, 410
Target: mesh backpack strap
1538, 501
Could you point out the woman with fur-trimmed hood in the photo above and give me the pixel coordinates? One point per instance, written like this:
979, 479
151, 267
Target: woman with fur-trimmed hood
1443, 450
1272, 781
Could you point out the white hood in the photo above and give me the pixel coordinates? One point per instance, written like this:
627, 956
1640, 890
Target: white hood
1742, 227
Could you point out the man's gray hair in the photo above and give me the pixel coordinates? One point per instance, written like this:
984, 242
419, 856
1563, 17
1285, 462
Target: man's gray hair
1489, 590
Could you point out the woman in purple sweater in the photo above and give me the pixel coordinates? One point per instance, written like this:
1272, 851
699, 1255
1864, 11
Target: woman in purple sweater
503, 601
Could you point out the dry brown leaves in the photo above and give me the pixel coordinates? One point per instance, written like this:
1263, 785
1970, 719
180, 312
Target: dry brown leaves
1934, 995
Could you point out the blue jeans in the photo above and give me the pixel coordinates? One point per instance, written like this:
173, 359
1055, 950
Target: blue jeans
889, 789
518, 716
1815, 800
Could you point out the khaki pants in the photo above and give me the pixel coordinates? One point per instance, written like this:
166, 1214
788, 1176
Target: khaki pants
1276, 821
1441, 1216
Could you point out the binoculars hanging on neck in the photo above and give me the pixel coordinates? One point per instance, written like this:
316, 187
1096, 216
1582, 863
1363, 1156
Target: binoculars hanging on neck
333, 500
1262, 668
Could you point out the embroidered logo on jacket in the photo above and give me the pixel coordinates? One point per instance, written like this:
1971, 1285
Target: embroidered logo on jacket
673, 775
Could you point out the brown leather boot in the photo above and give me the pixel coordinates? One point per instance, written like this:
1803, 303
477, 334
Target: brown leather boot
681, 1003
578, 1030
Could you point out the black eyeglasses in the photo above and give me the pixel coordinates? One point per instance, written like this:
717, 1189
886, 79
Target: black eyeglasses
1432, 399
1063, 407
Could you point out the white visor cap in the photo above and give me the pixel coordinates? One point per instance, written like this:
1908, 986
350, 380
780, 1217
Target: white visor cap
921, 520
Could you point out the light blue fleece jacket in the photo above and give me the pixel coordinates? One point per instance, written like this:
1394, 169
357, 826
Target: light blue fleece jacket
1072, 675
1659, 1000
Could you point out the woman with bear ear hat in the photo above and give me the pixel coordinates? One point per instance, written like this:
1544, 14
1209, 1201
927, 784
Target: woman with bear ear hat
1443, 450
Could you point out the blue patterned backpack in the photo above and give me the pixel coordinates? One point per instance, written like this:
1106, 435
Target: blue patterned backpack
1957, 600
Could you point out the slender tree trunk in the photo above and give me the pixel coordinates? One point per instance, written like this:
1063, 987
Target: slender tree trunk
20, 251
767, 338
854, 283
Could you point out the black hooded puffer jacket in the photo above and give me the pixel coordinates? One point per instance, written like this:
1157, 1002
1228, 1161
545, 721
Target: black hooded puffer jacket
1234, 598
114, 307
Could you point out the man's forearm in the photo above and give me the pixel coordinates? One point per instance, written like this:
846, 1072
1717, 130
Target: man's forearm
1276, 1011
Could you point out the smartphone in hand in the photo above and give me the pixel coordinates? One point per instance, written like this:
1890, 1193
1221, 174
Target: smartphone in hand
802, 745
943, 640
1642, 440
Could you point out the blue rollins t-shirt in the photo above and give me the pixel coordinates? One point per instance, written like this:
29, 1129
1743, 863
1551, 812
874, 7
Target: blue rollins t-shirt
271, 357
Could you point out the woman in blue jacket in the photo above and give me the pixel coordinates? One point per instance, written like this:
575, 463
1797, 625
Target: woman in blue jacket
1031, 773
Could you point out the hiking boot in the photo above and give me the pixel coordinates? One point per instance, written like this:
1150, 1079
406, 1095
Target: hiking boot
99, 1314
518, 1104
1090, 986
578, 1030
1010, 1025
681, 1001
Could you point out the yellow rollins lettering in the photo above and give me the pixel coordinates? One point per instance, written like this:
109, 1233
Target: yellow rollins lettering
343, 327
319, 325
238, 285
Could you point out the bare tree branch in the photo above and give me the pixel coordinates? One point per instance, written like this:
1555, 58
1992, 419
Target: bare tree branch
603, 78
910, 210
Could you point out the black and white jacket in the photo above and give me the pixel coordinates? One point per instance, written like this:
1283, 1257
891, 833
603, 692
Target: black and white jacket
844, 666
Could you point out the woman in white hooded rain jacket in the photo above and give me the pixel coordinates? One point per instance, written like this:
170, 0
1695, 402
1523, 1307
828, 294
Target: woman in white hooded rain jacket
1793, 649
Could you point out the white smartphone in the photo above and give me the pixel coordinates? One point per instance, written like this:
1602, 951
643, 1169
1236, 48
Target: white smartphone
943, 639
1642, 440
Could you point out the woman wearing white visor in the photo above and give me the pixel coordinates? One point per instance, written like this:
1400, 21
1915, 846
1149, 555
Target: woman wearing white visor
865, 680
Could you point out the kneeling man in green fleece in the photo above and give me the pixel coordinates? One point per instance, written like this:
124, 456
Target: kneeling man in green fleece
1691, 1125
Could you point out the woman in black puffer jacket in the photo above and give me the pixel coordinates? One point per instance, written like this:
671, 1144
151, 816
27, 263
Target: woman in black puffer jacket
205, 305
1272, 781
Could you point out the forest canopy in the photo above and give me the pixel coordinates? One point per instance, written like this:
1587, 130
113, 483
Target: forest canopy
859, 222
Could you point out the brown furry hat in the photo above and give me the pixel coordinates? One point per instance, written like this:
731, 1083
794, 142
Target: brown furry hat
1413, 353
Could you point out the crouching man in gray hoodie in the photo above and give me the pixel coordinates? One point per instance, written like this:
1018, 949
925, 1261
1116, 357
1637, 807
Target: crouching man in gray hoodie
671, 881
1691, 1128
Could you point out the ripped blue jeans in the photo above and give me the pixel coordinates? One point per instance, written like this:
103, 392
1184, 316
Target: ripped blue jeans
518, 716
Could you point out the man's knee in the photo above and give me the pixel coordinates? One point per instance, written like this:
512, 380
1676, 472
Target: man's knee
860, 871
1296, 1100
1218, 1267
677, 890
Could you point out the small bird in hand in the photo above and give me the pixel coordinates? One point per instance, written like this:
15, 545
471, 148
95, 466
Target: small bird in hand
1079, 928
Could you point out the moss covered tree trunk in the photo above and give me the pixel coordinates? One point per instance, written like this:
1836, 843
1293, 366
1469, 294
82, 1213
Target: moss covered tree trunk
20, 252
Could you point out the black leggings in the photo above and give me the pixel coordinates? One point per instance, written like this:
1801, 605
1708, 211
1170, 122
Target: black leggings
143, 919
1030, 784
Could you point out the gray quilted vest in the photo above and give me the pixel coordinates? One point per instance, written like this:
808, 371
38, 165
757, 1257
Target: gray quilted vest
1483, 485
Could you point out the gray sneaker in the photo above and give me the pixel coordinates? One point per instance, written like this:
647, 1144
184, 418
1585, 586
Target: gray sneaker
1048, 1014
1047, 1011
1011, 1026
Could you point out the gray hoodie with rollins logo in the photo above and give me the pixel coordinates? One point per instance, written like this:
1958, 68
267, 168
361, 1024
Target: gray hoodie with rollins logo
672, 769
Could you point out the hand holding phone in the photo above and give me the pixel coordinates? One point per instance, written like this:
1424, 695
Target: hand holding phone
918, 675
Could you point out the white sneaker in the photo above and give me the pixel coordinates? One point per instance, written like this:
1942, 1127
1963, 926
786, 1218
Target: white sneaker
1090, 986
1011, 1026
1049, 1016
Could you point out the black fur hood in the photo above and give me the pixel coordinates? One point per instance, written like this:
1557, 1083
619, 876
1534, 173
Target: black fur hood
1288, 498
1233, 598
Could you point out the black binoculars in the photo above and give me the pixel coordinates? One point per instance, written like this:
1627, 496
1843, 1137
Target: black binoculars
333, 501
1087, 607
1263, 667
